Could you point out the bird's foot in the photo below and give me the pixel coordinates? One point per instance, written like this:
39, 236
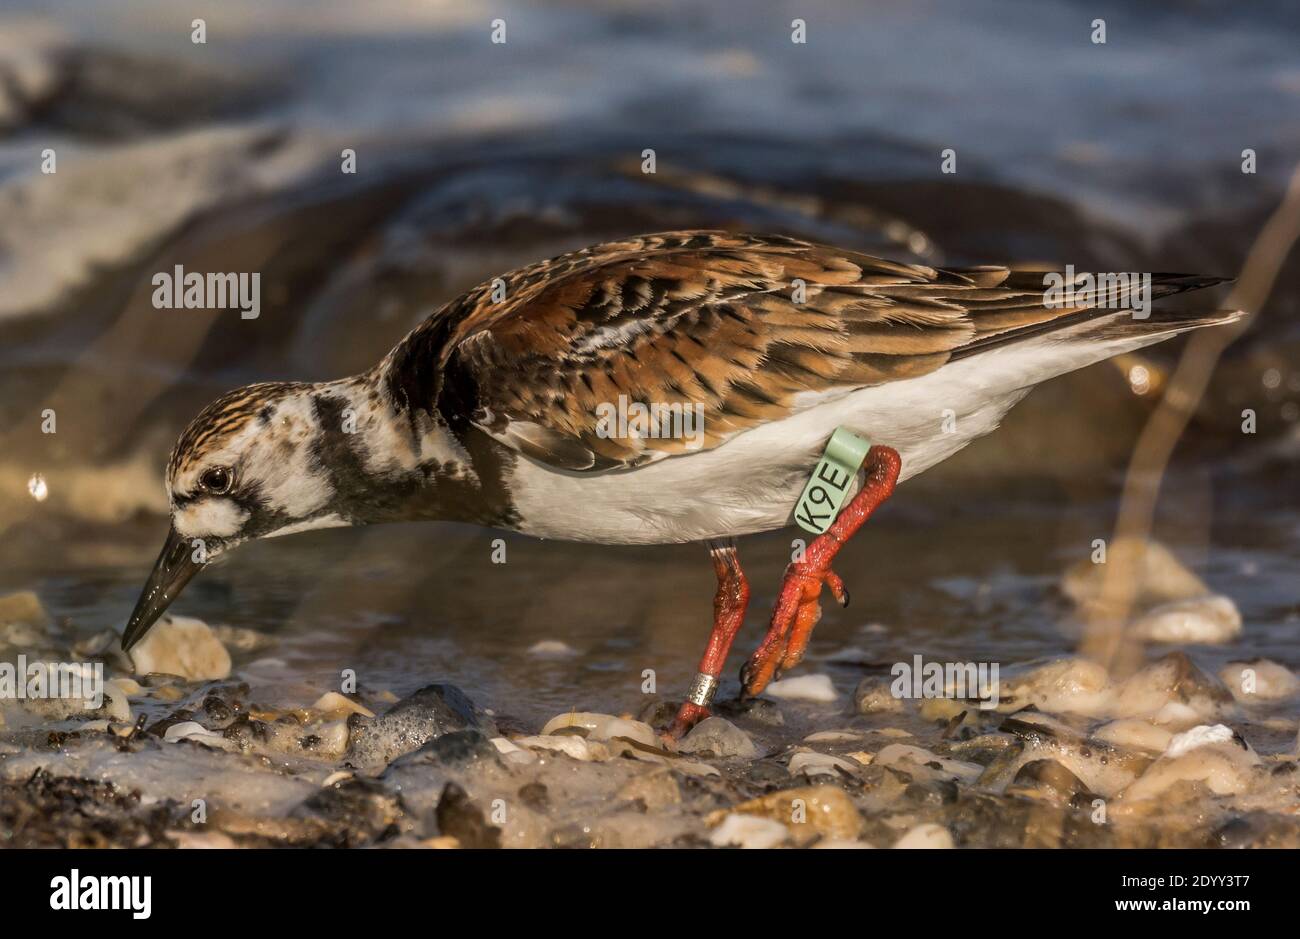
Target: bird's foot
797, 607
797, 611
688, 715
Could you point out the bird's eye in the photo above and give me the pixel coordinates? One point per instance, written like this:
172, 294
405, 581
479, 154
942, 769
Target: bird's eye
216, 480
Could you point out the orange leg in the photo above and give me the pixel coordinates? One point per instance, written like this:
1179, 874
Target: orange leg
797, 610
729, 605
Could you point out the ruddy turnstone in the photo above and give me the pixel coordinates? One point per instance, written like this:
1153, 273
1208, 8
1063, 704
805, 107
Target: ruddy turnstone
495, 409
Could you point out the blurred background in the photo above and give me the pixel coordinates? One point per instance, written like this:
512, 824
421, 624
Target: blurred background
473, 158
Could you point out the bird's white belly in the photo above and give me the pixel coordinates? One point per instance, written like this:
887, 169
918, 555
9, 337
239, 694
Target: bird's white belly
751, 483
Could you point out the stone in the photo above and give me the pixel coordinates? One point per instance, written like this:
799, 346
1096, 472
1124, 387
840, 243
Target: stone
602, 727
1134, 734
410, 723
551, 649
333, 704
1214, 756
196, 732
454, 748
823, 811
24, 608
511, 753
578, 748
459, 817
1048, 776
1172, 679
748, 831
1259, 680
184, 646
811, 763
927, 835
1162, 577
655, 790
758, 710
1075, 686
720, 737
804, 688
913, 759
873, 696
1211, 620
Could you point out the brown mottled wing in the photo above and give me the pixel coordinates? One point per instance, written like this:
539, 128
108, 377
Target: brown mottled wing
710, 319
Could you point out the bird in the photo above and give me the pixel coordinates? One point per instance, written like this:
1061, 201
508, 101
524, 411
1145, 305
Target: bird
667, 388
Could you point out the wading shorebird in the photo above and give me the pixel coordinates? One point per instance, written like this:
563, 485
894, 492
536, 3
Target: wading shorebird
491, 411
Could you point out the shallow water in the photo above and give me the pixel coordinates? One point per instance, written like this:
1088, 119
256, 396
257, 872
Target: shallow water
171, 159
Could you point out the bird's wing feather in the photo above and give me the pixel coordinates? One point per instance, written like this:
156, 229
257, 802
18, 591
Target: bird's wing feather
700, 318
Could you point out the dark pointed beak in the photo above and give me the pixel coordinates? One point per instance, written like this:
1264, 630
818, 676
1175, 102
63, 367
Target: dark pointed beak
172, 571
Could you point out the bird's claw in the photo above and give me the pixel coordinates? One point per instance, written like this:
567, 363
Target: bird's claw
797, 611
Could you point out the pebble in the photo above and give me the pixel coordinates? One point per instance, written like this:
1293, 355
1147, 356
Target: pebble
1046, 777
428, 713
460, 817
825, 811
1075, 686
1202, 736
459, 749
579, 748
1134, 734
902, 754
184, 646
1213, 755
804, 688
1259, 680
811, 763
333, 704
833, 736
552, 649
927, 835
603, 727
24, 608
1211, 620
718, 736
115, 696
193, 730
511, 753
656, 790
758, 710
748, 831
873, 696
242, 639
1104, 768
1171, 680
1163, 577
691, 768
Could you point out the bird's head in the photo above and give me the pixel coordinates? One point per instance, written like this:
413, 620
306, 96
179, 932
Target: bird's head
247, 467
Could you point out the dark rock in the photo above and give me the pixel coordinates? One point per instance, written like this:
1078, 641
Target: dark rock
245, 731
1038, 775
455, 749
219, 712
427, 714
657, 713
355, 812
536, 796
758, 710
461, 818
